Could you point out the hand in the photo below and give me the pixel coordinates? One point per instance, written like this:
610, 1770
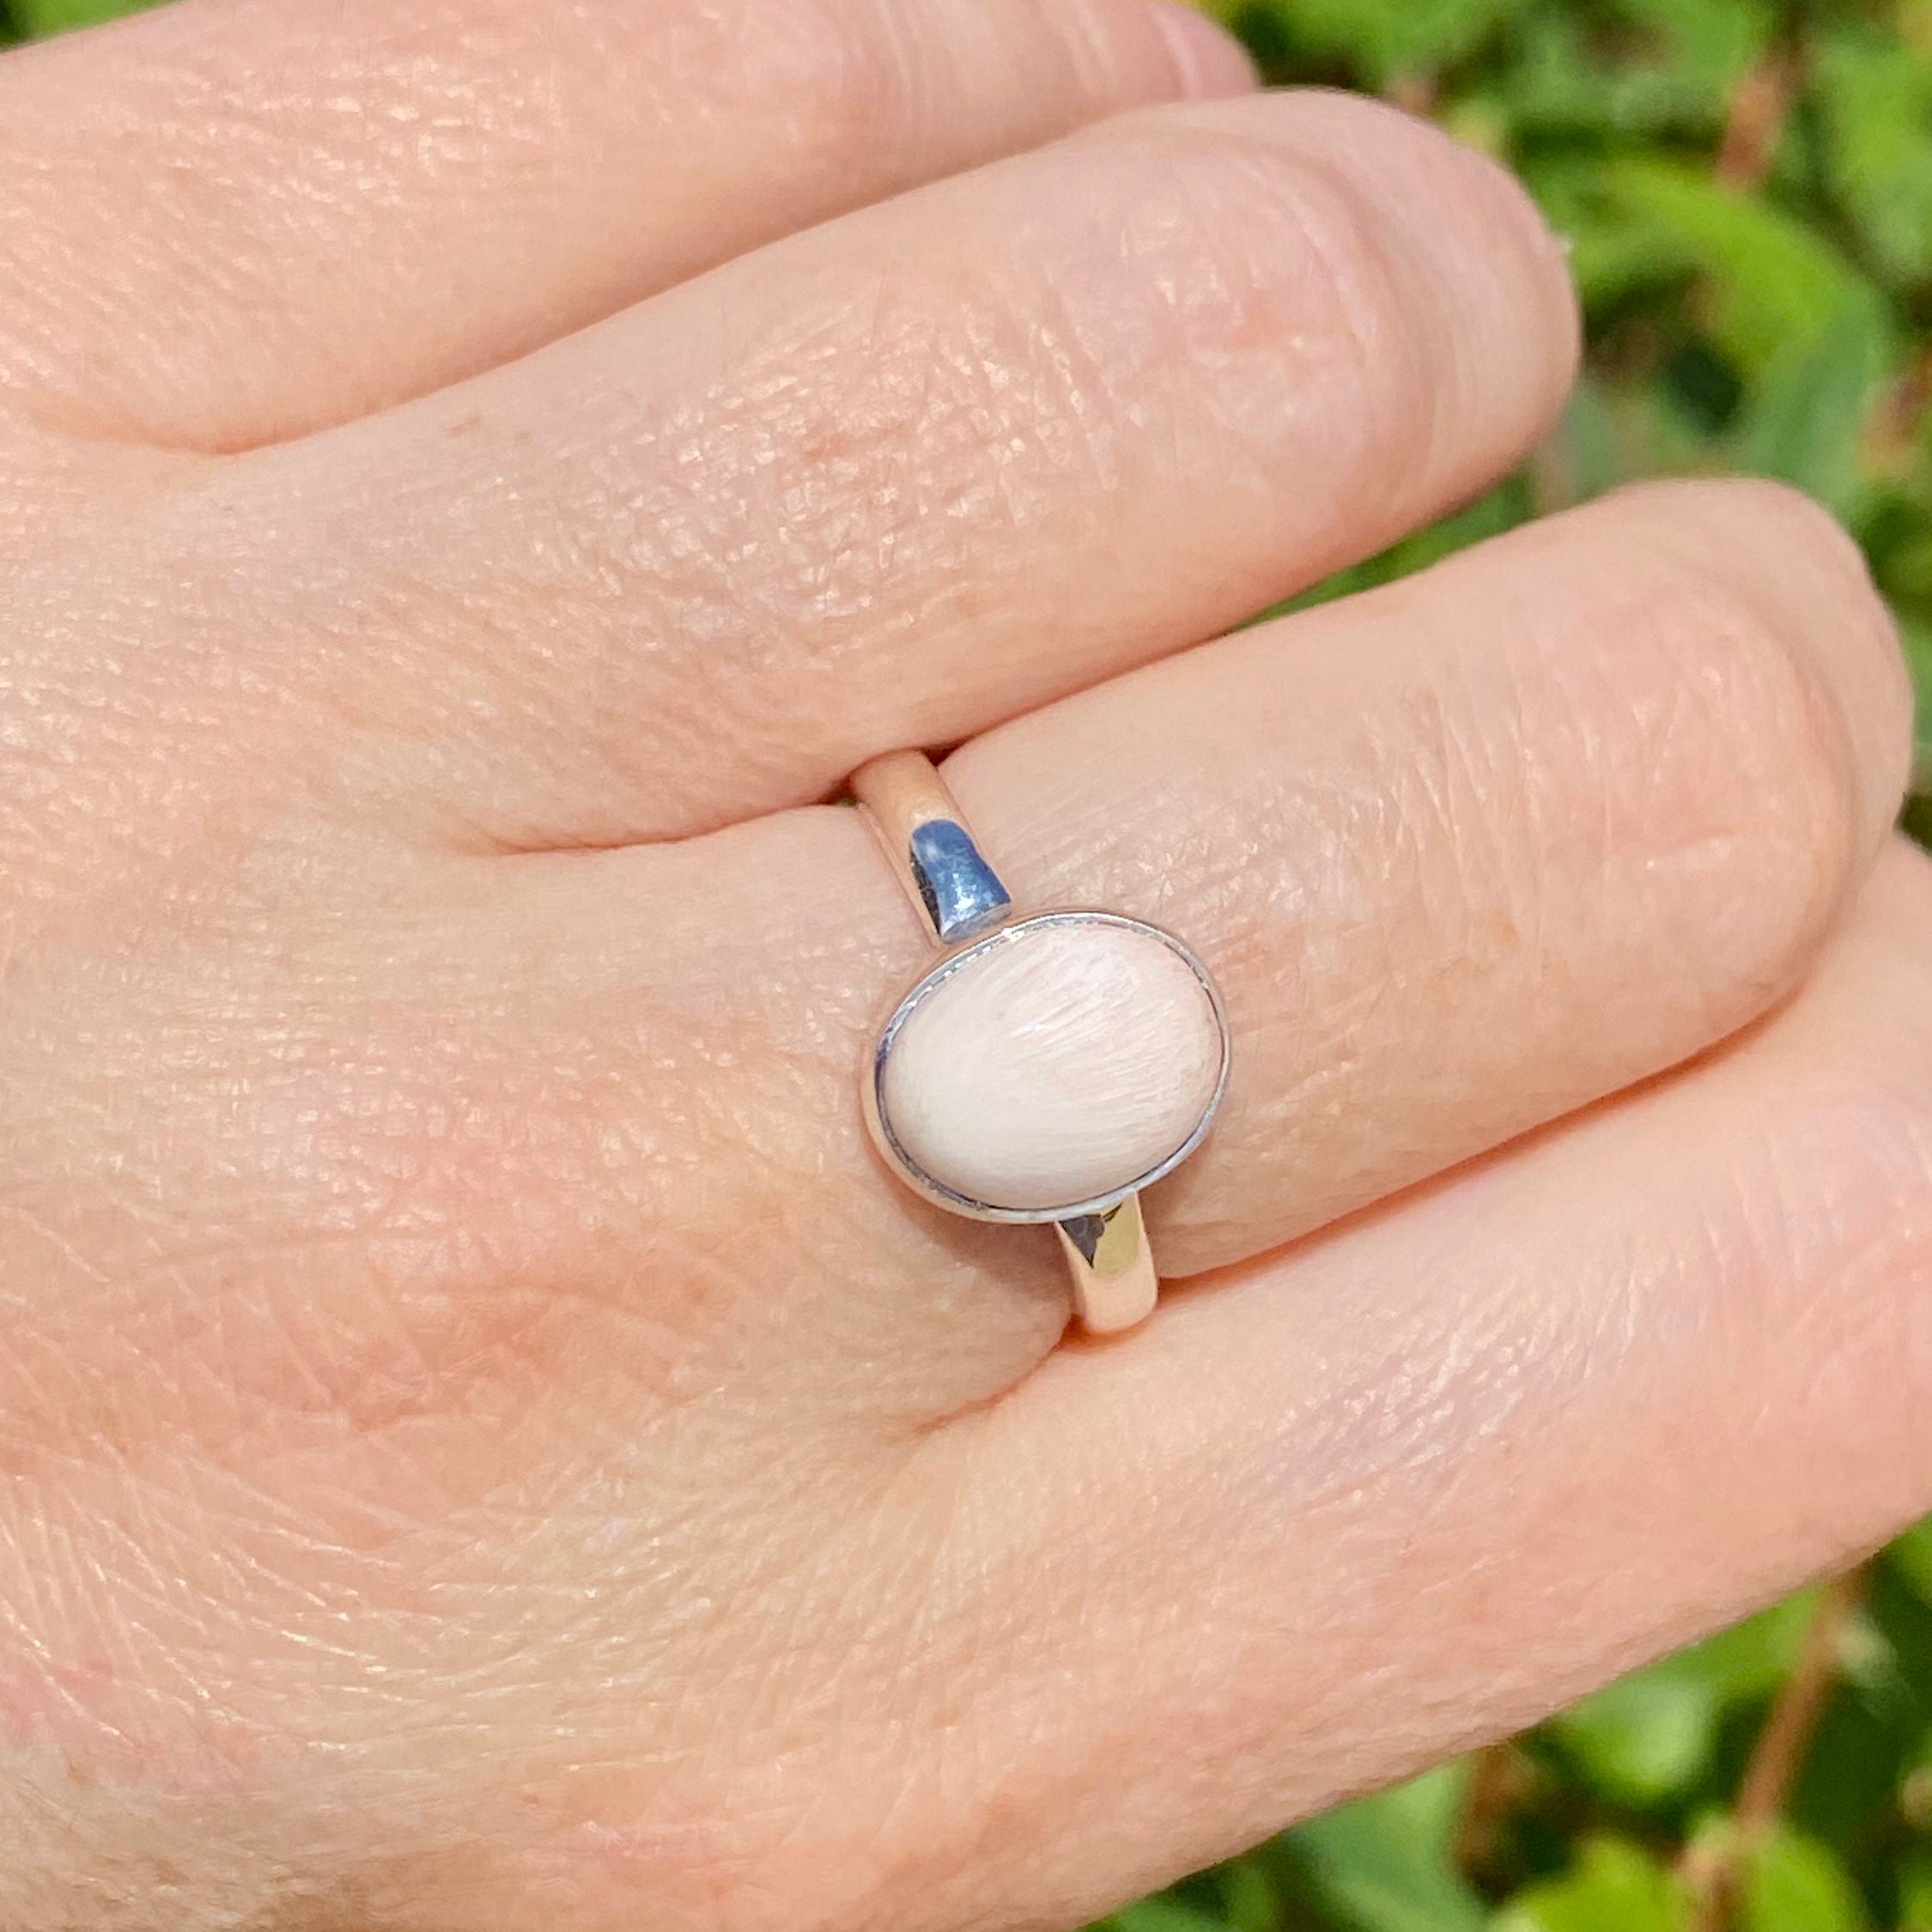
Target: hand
485, 1444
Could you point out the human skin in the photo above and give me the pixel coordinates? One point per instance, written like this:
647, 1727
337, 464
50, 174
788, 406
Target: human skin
483, 1444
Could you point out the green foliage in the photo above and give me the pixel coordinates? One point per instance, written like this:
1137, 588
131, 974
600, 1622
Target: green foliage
1746, 185
1795, 1884
1614, 1886
1653, 1738
1165, 1915
1388, 1863
1747, 189
58, 16
1622, 1814
1874, 105
1911, 1556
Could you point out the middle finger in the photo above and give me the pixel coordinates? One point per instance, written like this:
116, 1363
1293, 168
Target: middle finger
909, 474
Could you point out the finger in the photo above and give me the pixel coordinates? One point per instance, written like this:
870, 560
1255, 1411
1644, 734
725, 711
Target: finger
1418, 1483
1464, 854
897, 479
233, 220
1482, 846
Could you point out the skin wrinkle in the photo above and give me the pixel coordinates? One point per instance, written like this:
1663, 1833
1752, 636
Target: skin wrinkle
124, 1703
133, 793
58, 495
534, 1303
1361, 278
1681, 726
419, 124
1563, 687
686, 618
1588, 1368
1832, 567
580, 1486
1443, 809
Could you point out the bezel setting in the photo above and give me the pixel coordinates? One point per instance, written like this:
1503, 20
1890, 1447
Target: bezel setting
1010, 930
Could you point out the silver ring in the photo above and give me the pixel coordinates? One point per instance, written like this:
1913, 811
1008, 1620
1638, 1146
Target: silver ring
1047, 1066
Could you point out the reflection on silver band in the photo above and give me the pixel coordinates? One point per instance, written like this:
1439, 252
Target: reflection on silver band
961, 893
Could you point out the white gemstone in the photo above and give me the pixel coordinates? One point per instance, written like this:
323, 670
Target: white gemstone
1062, 1062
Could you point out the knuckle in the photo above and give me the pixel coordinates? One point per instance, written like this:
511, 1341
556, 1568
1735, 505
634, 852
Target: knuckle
1647, 754
1746, 749
1268, 280
865, 78
1784, 532
1765, 707
1457, 236
1270, 227
1786, 558
849, 79
1441, 182
1210, 293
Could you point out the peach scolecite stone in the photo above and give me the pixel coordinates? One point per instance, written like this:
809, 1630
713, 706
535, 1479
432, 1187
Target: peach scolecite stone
1061, 1063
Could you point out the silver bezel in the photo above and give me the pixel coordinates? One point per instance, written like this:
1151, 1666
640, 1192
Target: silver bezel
1006, 934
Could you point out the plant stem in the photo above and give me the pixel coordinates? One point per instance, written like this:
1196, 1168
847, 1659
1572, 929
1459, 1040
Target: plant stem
1715, 1870
1758, 109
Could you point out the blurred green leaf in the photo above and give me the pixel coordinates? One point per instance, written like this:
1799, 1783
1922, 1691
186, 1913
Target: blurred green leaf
1806, 421
1643, 1739
1161, 1915
1752, 1659
1614, 1886
1915, 1890
1915, 1787
1911, 1555
1387, 1863
1556, 81
1704, 46
1917, 1557
1651, 67
1650, 1737
1910, 561
1848, 1780
56, 16
1914, 20
1795, 1884
1591, 445
1875, 100
1775, 286
1382, 40
1249, 1900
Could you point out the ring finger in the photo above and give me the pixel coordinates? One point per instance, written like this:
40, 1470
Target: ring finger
1465, 854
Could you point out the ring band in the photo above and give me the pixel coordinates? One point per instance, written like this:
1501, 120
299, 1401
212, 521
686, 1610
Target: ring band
1047, 1066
